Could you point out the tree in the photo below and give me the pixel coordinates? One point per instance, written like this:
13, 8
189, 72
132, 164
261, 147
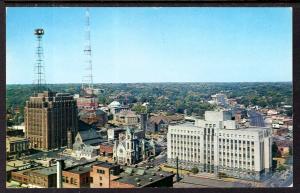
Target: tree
275, 152
195, 170
281, 168
139, 108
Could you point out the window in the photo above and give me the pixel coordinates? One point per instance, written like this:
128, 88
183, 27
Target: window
100, 184
100, 171
100, 178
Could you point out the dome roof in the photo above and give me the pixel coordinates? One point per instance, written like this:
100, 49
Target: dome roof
114, 104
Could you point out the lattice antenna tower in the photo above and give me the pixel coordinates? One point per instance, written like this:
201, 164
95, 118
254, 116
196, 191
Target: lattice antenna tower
39, 67
88, 78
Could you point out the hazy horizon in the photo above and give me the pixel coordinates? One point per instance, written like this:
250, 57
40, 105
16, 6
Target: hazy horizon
153, 82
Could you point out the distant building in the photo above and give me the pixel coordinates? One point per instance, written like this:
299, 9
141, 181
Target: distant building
131, 149
113, 133
217, 145
160, 122
16, 145
143, 121
219, 99
36, 178
126, 117
256, 119
115, 107
87, 102
87, 143
106, 149
95, 117
48, 116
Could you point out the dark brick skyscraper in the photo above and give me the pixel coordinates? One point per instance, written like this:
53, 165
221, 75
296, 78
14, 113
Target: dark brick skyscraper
48, 117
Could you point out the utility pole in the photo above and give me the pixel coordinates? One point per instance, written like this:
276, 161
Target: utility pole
177, 172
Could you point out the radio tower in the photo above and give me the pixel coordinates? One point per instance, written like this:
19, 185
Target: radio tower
88, 79
39, 68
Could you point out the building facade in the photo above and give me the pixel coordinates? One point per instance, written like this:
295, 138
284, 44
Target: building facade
16, 145
126, 117
48, 116
217, 145
36, 178
102, 174
132, 148
87, 143
77, 177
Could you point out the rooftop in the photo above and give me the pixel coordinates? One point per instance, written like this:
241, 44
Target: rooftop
80, 169
140, 177
105, 164
46, 171
13, 139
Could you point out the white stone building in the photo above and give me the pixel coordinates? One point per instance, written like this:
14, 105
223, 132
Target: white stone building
217, 145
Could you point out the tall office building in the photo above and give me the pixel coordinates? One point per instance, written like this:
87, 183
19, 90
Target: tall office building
48, 117
218, 145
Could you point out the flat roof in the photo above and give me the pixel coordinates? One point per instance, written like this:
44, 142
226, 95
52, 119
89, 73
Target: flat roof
46, 171
9, 168
12, 139
83, 168
17, 163
142, 176
79, 169
105, 164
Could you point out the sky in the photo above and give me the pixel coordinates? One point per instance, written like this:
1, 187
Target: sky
152, 44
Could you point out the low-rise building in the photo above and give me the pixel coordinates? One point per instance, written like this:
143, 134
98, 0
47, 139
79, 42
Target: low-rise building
106, 149
16, 145
106, 175
87, 143
126, 117
103, 173
141, 177
160, 122
36, 178
116, 107
95, 117
77, 176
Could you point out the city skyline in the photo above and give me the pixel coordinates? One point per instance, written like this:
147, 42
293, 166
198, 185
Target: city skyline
166, 44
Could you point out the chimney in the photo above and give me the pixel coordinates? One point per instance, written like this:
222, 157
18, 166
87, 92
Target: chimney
60, 165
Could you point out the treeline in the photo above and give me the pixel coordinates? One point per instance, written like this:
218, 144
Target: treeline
169, 97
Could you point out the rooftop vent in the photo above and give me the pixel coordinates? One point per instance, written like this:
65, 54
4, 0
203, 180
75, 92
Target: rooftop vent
138, 184
161, 175
153, 174
150, 179
137, 179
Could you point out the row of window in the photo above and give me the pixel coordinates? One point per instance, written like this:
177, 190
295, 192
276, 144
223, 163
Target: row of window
235, 135
236, 141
